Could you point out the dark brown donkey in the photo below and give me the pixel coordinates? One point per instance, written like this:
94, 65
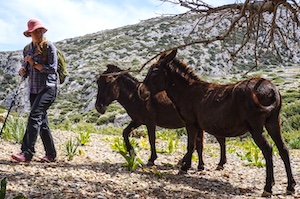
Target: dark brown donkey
223, 110
157, 110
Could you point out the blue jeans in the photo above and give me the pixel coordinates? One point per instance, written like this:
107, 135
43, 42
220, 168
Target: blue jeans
38, 123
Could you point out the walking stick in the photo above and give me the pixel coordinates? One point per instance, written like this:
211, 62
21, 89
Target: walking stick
12, 103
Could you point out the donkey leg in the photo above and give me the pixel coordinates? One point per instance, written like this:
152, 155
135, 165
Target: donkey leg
223, 158
273, 128
266, 149
151, 136
130, 127
199, 148
192, 134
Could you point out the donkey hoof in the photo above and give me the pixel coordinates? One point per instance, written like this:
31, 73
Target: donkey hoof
182, 172
180, 162
200, 167
150, 163
266, 194
219, 168
289, 192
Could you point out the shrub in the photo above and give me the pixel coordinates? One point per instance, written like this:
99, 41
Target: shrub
252, 154
132, 161
71, 148
14, 129
110, 130
294, 143
292, 139
85, 127
105, 119
83, 138
65, 125
3, 190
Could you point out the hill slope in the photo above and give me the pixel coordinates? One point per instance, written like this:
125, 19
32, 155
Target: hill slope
127, 47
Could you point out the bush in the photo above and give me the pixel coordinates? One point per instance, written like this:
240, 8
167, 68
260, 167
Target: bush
292, 139
85, 127
14, 129
71, 148
110, 130
291, 109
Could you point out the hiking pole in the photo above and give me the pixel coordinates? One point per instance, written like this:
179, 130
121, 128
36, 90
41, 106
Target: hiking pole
12, 103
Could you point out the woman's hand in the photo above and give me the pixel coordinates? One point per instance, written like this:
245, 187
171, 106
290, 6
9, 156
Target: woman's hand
29, 60
22, 71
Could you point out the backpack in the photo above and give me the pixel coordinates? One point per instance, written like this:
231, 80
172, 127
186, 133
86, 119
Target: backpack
61, 61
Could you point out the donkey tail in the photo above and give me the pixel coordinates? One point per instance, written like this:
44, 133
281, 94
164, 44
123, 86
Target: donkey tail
267, 101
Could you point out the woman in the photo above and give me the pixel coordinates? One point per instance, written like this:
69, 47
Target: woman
41, 71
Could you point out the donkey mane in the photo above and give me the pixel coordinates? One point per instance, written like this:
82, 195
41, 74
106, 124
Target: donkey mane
190, 75
113, 68
184, 70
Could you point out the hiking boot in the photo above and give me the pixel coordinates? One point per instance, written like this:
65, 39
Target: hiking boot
20, 157
48, 158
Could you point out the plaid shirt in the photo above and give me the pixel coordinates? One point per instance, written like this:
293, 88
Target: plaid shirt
47, 77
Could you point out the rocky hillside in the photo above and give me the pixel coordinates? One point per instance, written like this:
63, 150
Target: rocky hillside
127, 47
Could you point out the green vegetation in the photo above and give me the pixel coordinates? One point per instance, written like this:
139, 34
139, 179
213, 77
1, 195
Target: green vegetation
14, 129
132, 161
248, 151
71, 114
110, 130
290, 116
172, 139
3, 190
71, 148
83, 138
292, 139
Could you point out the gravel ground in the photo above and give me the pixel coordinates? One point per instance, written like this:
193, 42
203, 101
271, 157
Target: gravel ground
98, 173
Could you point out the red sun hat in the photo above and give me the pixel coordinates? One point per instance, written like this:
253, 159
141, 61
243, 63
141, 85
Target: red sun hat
32, 25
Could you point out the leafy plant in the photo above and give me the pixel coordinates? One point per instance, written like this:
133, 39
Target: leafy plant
153, 170
14, 129
292, 139
71, 148
252, 154
194, 158
119, 144
144, 144
83, 138
3, 190
294, 143
132, 161
172, 145
172, 138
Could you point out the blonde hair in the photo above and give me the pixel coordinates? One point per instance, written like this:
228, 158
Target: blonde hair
41, 45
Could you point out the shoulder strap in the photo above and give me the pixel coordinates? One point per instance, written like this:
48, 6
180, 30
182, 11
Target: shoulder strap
27, 48
45, 52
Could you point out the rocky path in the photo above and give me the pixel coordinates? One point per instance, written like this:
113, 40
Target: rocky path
99, 173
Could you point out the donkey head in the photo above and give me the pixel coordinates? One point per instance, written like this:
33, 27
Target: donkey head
157, 77
108, 89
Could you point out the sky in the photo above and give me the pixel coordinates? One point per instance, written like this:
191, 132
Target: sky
71, 18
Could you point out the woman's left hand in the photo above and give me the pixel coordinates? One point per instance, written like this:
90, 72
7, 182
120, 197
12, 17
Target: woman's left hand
29, 60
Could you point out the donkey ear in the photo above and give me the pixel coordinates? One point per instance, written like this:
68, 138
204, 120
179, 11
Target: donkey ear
173, 53
167, 57
111, 67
